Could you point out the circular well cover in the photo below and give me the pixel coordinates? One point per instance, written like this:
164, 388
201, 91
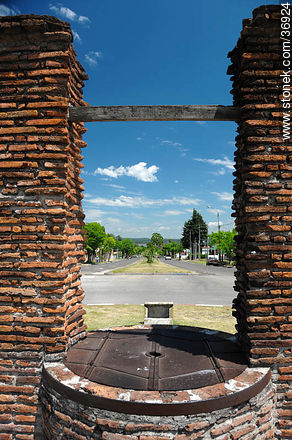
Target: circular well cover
158, 358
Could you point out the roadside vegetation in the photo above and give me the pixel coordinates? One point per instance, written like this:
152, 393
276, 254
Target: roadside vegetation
215, 318
101, 246
194, 244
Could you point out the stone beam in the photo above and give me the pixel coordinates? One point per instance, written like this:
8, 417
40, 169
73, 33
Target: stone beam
154, 113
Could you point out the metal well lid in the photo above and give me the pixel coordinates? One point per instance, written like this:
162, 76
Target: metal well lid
156, 359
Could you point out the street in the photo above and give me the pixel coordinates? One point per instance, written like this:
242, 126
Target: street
208, 285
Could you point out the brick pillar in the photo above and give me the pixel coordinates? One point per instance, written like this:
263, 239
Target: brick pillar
41, 243
263, 195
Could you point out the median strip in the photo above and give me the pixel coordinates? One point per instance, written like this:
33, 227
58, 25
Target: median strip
155, 268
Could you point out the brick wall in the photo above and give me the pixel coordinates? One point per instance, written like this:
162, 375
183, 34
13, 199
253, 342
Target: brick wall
263, 195
67, 419
41, 244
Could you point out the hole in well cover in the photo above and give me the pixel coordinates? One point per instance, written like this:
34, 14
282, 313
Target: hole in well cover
154, 354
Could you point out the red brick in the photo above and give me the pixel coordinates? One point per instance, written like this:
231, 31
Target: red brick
111, 436
226, 427
151, 437
196, 426
15, 164
241, 432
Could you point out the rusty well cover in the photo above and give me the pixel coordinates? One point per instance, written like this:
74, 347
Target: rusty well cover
156, 359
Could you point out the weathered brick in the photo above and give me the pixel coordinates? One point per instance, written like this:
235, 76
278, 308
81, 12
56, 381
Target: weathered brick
111, 436
226, 427
22, 152
197, 426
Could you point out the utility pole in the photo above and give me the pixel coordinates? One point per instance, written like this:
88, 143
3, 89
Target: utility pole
207, 246
195, 250
220, 257
190, 245
218, 221
199, 242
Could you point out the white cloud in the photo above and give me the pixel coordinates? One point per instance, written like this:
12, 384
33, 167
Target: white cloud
118, 187
214, 224
164, 228
133, 215
225, 162
141, 202
64, 12
170, 212
83, 20
183, 151
177, 145
114, 220
93, 57
132, 224
186, 201
67, 13
224, 195
94, 215
220, 172
141, 137
173, 144
215, 211
122, 201
176, 181
4, 10
139, 171
76, 36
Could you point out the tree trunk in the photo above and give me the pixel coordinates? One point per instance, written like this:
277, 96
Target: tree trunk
90, 257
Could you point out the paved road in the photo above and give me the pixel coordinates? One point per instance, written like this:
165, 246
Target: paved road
208, 285
201, 268
89, 269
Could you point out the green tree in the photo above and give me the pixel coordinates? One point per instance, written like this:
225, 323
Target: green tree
136, 250
172, 248
126, 246
109, 243
194, 230
95, 234
150, 253
166, 249
224, 241
139, 250
157, 240
176, 248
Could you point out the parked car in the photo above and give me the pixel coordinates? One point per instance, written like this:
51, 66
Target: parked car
212, 260
167, 257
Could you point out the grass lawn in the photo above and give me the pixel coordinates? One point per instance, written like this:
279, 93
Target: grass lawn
153, 268
217, 318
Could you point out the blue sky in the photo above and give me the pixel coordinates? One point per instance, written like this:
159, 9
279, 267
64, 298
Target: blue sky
145, 177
